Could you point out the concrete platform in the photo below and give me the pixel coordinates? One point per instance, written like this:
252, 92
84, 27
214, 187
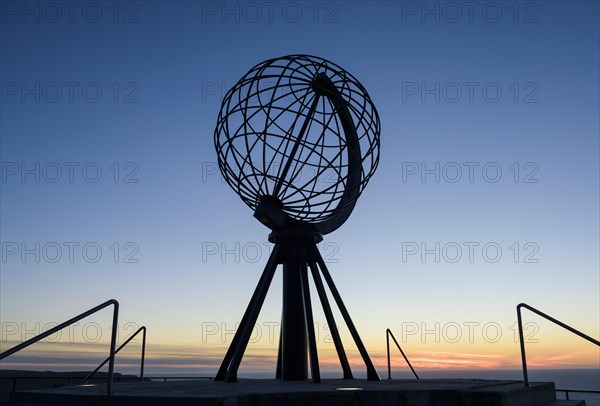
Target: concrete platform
331, 392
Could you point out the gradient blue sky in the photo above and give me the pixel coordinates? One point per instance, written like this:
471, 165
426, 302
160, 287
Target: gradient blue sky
167, 59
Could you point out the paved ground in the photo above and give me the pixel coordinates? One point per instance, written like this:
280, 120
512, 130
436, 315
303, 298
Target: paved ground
330, 392
209, 388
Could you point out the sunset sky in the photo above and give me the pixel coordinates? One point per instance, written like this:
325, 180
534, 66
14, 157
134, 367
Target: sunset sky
487, 193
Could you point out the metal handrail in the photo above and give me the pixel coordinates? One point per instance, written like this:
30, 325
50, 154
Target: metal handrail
143, 328
586, 391
389, 333
113, 339
577, 390
553, 320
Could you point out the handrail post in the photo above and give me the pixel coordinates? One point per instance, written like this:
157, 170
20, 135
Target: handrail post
143, 354
387, 341
522, 343
113, 342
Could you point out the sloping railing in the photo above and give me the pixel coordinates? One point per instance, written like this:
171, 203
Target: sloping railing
553, 320
113, 339
141, 329
389, 333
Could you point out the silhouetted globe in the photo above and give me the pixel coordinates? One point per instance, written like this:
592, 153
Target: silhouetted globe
300, 134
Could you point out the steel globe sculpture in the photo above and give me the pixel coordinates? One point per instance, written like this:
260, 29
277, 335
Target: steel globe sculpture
297, 138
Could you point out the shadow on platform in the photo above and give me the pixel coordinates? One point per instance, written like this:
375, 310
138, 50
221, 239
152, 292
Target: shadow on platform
331, 392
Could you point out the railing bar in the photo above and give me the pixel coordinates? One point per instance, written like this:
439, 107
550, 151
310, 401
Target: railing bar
552, 319
387, 338
55, 329
143, 328
578, 390
560, 323
404, 355
74, 320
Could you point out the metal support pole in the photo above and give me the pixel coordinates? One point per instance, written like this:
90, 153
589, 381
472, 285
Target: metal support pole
265, 279
245, 329
278, 369
372, 374
294, 360
310, 324
335, 335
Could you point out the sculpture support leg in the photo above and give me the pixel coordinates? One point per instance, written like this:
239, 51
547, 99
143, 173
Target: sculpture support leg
297, 339
335, 335
294, 360
278, 368
372, 374
310, 324
233, 357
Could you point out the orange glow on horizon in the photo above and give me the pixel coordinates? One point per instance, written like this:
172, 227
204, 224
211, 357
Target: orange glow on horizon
204, 359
